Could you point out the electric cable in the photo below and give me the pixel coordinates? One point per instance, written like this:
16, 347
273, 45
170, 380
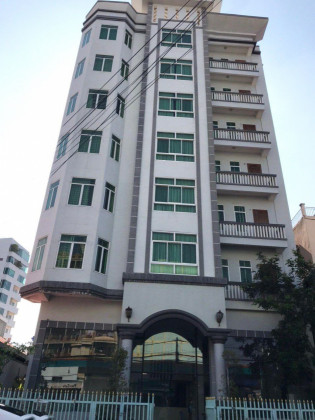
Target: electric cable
193, 23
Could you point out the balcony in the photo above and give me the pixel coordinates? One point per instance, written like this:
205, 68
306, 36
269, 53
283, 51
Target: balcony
263, 185
253, 234
240, 103
237, 71
233, 291
241, 140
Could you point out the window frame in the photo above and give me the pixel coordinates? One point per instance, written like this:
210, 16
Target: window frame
225, 268
124, 69
52, 194
72, 245
217, 164
235, 166
115, 146
178, 184
100, 100
221, 214
172, 67
176, 36
4, 282
79, 69
62, 146
240, 214
106, 60
104, 250
175, 99
128, 39
94, 140
174, 138
109, 197
111, 34
173, 265
120, 106
86, 37
230, 125
72, 103
8, 272
39, 253
89, 185
245, 269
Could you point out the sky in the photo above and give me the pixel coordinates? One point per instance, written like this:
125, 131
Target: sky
39, 43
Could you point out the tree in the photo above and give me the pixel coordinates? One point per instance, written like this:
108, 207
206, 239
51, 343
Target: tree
117, 381
8, 351
289, 355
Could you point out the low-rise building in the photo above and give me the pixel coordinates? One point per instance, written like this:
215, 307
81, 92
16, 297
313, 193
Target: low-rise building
303, 225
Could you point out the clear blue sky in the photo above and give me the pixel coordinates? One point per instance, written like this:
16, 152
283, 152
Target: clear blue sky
39, 42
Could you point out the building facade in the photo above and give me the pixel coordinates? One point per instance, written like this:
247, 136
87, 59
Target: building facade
13, 267
165, 184
303, 225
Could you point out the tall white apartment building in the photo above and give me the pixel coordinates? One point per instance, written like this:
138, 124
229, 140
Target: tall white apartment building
166, 183
13, 267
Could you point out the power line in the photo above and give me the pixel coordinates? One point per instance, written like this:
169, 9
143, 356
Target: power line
203, 14
119, 83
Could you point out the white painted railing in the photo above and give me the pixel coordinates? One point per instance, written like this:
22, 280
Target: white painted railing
258, 409
234, 291
241, 135
245, 178
72, 405
248, 98
232, 65
252, 230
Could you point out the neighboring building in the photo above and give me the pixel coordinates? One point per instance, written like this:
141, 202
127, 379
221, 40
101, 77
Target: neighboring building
303, 224
13, 267
166, 183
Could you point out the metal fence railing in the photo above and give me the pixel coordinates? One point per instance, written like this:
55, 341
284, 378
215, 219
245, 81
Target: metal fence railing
258, 409
72, 405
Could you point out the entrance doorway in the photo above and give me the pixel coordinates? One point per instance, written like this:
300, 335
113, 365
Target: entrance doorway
172, 368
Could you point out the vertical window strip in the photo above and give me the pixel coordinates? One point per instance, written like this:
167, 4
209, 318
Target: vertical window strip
79, 69
101, 256
52, 195
39, 253
115, 148
109, 198
72, 102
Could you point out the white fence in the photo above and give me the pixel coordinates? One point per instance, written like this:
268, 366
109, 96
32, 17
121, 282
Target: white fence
71, 405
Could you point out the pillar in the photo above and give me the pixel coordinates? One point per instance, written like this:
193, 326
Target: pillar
217, 366
127, 345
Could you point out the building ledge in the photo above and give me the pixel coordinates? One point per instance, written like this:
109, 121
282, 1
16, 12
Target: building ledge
173, 279
41, 291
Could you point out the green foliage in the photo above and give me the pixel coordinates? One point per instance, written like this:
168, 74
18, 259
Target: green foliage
9, 352
289, 355
117, 381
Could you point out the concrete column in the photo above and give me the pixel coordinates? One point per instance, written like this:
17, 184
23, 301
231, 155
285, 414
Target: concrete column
220, 374
211, 369
127, 344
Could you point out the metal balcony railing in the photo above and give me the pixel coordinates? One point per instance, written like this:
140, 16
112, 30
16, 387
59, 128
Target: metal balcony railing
233, 291
232, 65
241, 135
245, 178
247, 98
252, 230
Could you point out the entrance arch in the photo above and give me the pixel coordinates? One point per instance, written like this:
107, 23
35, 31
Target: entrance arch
181, 379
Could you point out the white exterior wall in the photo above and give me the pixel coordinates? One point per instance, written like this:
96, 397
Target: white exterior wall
10, 308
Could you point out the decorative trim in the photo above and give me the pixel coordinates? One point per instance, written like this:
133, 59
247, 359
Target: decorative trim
198, 165
152, 158
174, 279
137, 173
117, 19
250, 334
72, 288
212, 172
138, 330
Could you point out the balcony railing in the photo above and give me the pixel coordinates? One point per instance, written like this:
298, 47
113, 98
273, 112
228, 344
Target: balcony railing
245, 178
241, 135
233, 291
232, 65
247, 98
252, 230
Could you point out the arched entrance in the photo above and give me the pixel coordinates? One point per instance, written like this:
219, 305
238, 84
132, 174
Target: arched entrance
172, 368
171, 354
